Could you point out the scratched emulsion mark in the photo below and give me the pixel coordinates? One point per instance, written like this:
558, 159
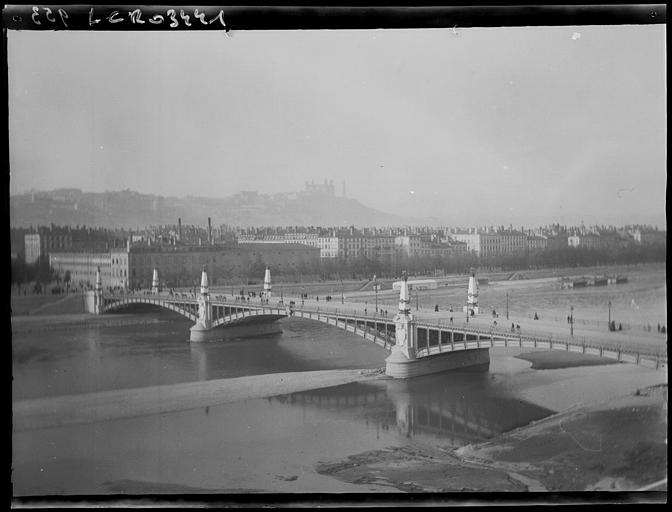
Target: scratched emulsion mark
45, 15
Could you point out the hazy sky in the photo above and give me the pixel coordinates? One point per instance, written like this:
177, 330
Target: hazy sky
483, 125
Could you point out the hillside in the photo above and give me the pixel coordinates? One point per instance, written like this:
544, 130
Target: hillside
132, 209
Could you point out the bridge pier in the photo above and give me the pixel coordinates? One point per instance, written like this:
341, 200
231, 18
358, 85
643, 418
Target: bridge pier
403, 363
199, 334
93, 300
400, 367
203, 330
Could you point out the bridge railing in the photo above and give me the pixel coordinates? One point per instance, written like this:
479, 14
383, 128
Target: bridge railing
326, 315
546, 338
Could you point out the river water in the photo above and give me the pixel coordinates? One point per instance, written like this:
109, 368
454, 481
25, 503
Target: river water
263, 444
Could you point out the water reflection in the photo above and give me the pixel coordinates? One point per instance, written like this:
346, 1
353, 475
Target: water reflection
454, 407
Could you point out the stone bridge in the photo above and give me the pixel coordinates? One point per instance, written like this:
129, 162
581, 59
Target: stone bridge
417, 347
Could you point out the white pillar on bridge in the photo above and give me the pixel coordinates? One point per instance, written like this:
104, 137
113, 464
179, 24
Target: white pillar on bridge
98, 294
204, 283
155, 282
200, 331
472, 296
99, 281
267, 284
404, 328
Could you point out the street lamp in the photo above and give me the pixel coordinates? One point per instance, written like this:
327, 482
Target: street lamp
609, 323
375, 287
507, 305
342, 299
571, 321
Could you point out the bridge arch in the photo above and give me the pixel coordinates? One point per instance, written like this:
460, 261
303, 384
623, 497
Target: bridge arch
116, 305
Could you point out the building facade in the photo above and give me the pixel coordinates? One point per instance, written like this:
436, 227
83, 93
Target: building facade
493, 243
536, 243
182, 265
82, 267
584, 241
38, 245
472, 241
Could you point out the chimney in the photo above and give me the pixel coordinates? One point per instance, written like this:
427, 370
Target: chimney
179, 229
209, 231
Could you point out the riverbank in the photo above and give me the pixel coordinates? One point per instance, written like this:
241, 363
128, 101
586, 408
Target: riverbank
126, 403
557, 359
619, 445
610, 433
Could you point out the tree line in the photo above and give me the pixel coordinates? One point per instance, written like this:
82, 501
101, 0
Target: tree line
365, 268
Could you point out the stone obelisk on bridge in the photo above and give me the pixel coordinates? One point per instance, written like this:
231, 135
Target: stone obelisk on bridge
472, 296
267, 284
98, 294
155, 282
403, 351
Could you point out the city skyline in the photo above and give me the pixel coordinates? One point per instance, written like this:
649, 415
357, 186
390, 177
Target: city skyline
470, 126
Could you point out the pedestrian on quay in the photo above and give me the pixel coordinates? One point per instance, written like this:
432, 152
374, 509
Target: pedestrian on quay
513, 327
451, 319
